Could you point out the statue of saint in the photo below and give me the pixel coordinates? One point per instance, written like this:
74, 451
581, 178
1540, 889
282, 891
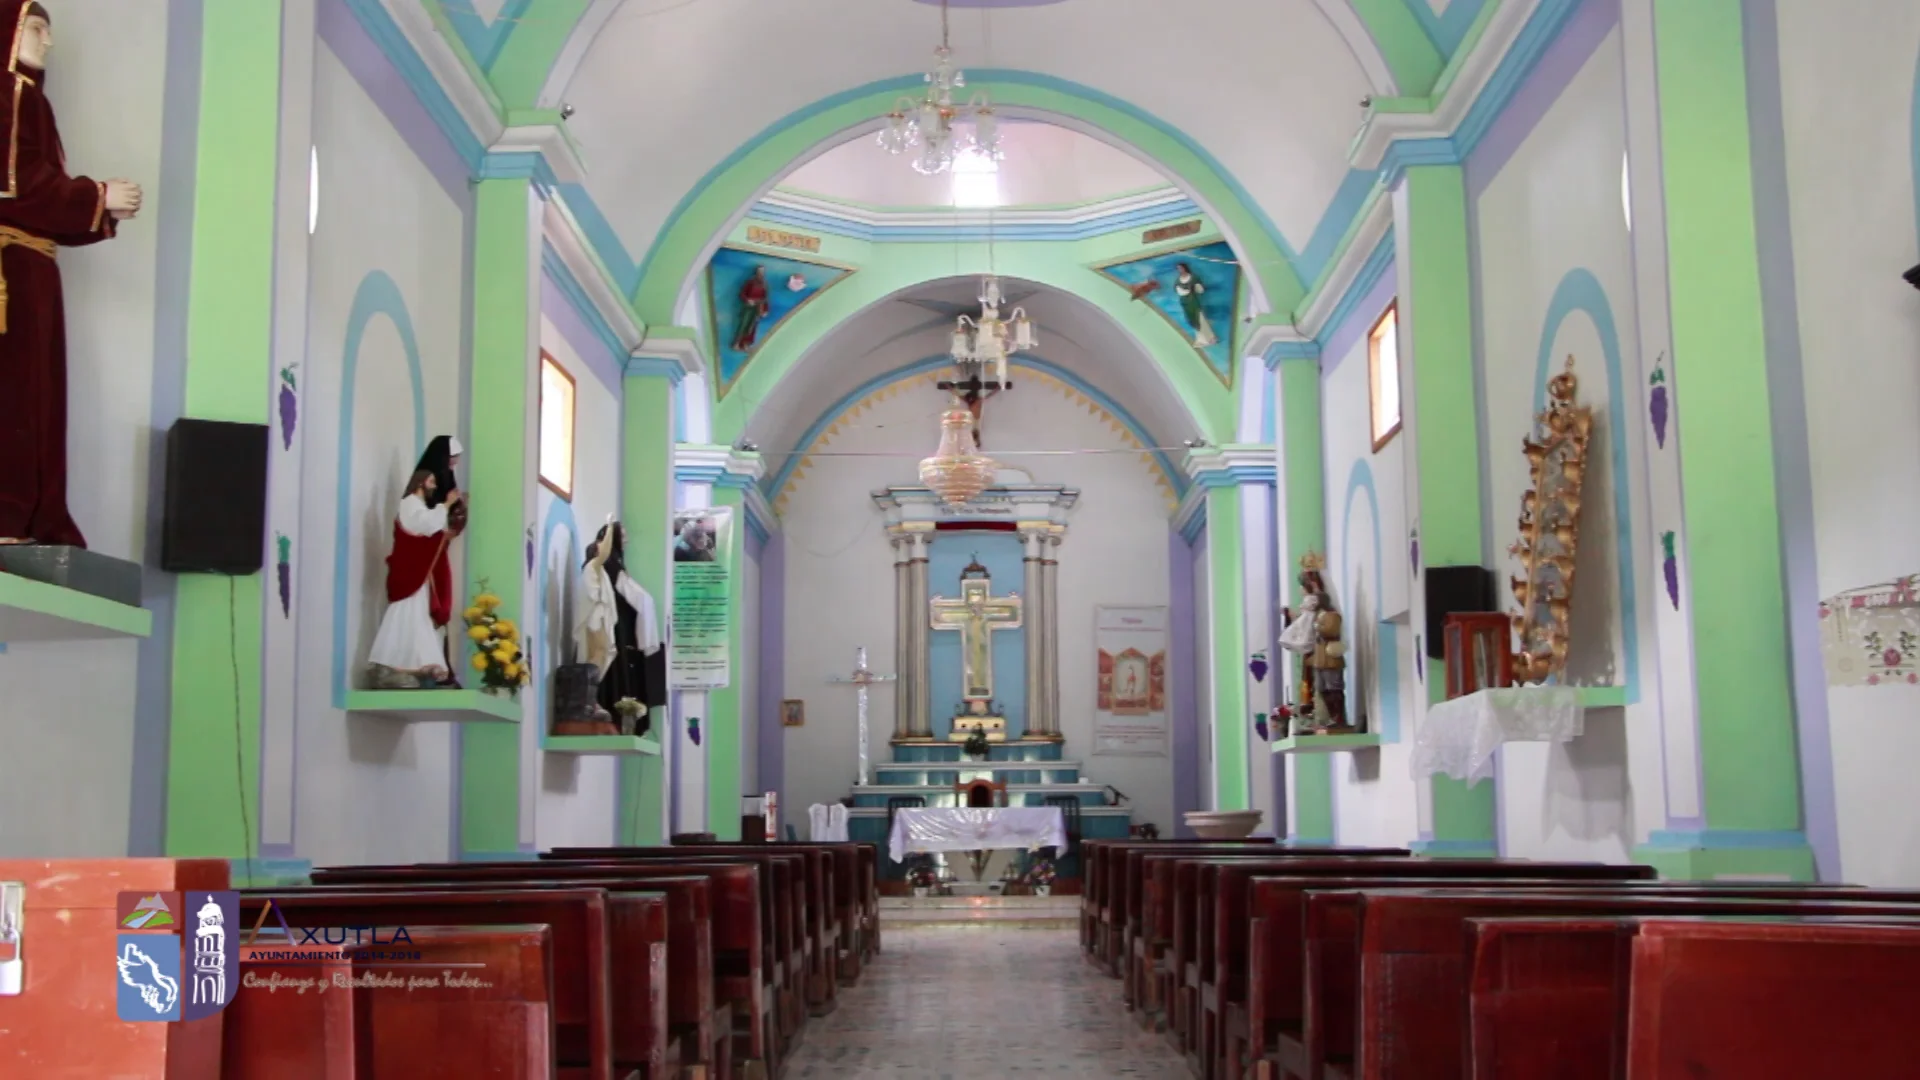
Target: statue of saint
620, 633
408, 652
41, 210
1190, 289
1314, 632
441, 457
753, 308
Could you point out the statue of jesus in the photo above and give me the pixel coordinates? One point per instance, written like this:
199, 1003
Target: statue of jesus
42, 209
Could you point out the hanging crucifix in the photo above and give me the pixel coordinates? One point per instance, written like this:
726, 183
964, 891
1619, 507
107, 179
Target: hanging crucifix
976, 615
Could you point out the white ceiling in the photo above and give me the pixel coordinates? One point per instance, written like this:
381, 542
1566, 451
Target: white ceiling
916, 324
667, 92
1044, 164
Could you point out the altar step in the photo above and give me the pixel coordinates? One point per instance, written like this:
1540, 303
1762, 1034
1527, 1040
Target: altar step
949, 773
1001, 912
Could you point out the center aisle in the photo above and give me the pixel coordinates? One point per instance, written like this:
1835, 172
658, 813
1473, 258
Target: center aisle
975, 1002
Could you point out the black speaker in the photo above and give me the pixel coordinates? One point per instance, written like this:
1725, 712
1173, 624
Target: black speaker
1451, 589
215, 514
1913, 277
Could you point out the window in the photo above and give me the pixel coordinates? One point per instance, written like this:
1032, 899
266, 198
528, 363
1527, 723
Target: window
556, 427
976, 179
1383, 376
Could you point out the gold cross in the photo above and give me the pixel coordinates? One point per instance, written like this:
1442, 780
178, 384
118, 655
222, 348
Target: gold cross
976, 615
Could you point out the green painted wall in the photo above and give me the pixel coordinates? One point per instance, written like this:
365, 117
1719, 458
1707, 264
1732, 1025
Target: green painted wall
213, 780
646, 506
1303, 494
1227, 577
497, 480
1747, 737
1438, 326
1410, 54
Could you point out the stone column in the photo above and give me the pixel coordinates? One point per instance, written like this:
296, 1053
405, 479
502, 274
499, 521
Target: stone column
902, 643
918, 619
1050, 584
1035, 617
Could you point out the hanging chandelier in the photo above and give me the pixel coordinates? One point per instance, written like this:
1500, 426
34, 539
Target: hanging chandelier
957, 471
937, 126
990, 339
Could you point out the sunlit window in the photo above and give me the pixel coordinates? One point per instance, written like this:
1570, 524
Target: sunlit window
556, 427
1383, 371
976, 180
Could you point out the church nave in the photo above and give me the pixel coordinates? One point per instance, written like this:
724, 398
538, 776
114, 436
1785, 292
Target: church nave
954, 1002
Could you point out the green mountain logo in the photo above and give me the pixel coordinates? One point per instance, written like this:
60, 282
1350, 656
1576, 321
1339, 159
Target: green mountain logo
148, 914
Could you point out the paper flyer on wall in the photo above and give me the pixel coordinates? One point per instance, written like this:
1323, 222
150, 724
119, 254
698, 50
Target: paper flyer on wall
1130, 710
699, 654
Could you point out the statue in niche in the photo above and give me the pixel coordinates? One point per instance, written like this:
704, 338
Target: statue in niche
1190, 290
1314, 633
753, 307
620, 634
41, 209
409, 652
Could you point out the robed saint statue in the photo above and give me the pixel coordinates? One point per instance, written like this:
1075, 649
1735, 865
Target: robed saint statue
42, 209
408, 652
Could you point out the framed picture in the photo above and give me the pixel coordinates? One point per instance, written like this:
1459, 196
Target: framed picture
793, 713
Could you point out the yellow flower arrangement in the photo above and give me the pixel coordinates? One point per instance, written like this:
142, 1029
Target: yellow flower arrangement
497, 643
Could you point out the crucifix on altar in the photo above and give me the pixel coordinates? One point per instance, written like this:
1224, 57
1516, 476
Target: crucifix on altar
976, 615
861, 679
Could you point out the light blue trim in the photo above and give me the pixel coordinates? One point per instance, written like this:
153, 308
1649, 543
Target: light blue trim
1325, 242
1281, 351
980, 76
601, 235
1728, 839
1195, 526
1403, 154
1581, 291
1449, 28
379, 25
1456, 849
484, 39
569, 288
1360, 479
1233, 476
1533, 41
1363, 283
658, 367
756, 528
778, 480
378, 295
517, 855
1092, 228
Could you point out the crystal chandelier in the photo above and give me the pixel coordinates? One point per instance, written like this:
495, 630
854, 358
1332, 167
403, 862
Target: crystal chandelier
957, 471
936, 126
991, 339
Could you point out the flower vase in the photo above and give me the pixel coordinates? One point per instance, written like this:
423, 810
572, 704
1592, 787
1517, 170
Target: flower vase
1043, 890
919, 892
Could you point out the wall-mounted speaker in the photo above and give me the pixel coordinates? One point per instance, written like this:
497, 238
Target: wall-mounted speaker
214, 519
1913, 277
1452, 589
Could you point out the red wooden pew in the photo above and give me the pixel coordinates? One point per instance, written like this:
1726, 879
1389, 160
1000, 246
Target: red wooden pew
281, 1026
1107, 893
1406, 953
739, 1001
581, 925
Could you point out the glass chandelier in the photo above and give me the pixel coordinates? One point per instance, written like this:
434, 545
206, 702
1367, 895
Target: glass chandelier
937, 126
991, 339
957, 471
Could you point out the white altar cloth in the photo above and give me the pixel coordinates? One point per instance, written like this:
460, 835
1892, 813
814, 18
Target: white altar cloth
962, 828
1460, 736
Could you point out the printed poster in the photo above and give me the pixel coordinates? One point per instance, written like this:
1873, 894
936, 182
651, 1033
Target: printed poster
699, 655
1130, 703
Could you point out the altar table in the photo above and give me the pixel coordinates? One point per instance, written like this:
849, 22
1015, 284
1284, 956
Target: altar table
919, 829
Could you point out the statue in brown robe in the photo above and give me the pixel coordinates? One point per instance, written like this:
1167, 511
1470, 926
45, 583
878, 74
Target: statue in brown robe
41, 210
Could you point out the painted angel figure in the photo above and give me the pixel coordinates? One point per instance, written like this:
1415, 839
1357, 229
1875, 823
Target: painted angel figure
1190, 289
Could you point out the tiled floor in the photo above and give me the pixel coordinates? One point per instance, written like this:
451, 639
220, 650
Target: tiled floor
978, 1002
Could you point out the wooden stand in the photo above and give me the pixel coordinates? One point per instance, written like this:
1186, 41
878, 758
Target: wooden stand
1479, 655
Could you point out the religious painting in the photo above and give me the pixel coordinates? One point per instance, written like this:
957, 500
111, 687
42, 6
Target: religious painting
750, 294
1871, 636
1130, 698
1196, 289
793, 713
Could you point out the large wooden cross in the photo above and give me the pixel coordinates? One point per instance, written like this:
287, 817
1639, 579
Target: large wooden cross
976, 615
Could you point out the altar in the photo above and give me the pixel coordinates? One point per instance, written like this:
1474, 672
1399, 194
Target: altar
931, 830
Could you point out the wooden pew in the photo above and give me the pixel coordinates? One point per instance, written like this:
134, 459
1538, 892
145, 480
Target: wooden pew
784, 883
1851, 993
1218, 974
1546, 995
1106, 887
282, 1026
738, 1001
580, 922
1406, 953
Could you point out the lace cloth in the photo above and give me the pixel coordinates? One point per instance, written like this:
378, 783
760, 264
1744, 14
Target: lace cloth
961, 828
1460, 736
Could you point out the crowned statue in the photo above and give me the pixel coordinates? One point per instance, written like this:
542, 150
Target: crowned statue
42, 209
410, 652
1313, 631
